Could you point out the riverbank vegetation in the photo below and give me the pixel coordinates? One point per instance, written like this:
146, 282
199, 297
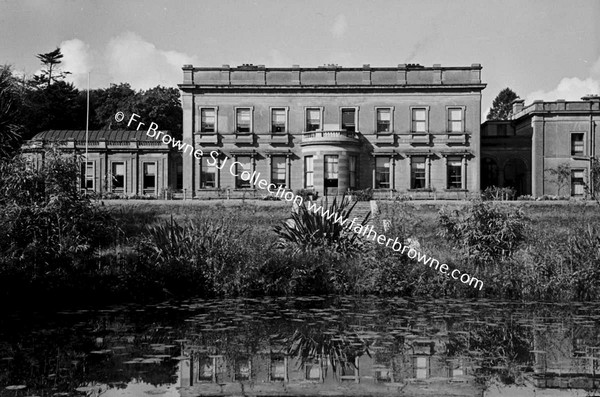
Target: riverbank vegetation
58, 246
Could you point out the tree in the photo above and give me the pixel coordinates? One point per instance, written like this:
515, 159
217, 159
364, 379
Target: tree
592, 187
502, 105
11, 104
561, 174
50, 60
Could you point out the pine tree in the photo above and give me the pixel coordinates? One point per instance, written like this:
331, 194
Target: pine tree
502, 105
50, 60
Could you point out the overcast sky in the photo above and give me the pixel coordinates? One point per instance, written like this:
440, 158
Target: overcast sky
542, 49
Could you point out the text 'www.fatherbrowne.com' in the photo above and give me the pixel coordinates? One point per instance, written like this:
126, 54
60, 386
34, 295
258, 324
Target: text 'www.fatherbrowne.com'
279, 192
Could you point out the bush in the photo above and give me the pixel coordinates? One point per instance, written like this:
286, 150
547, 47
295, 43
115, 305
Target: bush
305, 193
498, 193
363, 195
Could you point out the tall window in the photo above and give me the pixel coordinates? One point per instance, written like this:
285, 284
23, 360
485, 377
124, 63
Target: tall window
419, 120
384, 119
577, 182
179, 176
118, 177
331, 171
382, 173
454, 173
208, 173
455, 120
87, 176
576, 144
349, 119
417, 173
352, 164
313, 119
208, 117
242, 120
278, 170
149, 181
278, 120
246, 165
308, 172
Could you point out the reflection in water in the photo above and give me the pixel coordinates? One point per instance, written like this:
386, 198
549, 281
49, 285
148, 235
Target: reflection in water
323, 344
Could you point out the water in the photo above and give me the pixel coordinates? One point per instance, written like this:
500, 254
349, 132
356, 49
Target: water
304, 346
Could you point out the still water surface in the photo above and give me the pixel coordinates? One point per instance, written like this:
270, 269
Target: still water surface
205, 346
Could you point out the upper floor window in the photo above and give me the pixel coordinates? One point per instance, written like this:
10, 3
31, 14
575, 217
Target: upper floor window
208, 118
349, 119
313, 119
455, 120
278, 120
243, 120
384, 120
577, 147
419, 120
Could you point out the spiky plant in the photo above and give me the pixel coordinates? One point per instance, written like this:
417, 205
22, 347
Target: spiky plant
310, 230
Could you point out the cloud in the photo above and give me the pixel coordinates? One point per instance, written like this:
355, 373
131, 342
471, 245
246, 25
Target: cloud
77, 59
339, 27
133, 60
571, 88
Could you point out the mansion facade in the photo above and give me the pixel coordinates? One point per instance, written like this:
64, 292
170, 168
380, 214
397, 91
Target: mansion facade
405, 129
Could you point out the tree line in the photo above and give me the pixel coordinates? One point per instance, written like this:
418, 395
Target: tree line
47, 101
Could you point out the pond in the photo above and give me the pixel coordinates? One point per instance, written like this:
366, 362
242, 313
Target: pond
304, 346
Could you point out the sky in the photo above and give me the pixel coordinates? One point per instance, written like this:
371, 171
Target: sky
541, 49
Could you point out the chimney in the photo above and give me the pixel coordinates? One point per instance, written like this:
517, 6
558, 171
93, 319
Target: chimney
517, 105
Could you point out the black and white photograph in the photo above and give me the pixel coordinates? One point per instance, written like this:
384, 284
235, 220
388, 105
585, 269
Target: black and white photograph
204, 198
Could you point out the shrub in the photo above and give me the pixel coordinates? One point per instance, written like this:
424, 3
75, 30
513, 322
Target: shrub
363, 195
498, 193
304, 193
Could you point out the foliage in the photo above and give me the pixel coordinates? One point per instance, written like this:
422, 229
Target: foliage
561, 175
498, 193
11, 104
592, 187
50, 60
502, 105
305, 193
363, 195
484, 232
309, 230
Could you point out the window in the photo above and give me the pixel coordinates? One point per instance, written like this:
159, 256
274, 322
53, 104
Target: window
576, 144
87, 176
455, 120
384, 119
352, 162
421, 367
419, 120
454, 172
208, 173
417, 173
245, 165
349, 119
382, 173
278, 170
179, 180
308, 172
278, 120
577, 182
331, 171
208, 118
242, 120
313, 119
149, 182
118, 177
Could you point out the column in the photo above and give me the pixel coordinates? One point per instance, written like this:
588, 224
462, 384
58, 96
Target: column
392, 172
445, 171
288, 171
537, 157
428, 172
463, 177
270, 165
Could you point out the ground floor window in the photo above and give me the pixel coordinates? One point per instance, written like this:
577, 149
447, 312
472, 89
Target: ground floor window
577, 182
278, 170
208, 173
331, 171
118, 177
417, 173
149, 180
454, 173
87, 175
308, 172
382, 173
244, 163
353, 174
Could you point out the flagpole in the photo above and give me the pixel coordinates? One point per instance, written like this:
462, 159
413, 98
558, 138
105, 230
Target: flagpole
87, 125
